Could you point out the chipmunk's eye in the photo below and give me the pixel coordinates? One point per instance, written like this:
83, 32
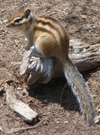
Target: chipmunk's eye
17, 20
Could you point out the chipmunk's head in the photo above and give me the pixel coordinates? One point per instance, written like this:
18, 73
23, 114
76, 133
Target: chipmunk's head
21, 20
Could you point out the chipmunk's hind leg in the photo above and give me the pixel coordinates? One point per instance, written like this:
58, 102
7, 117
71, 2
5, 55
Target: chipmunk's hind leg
46, 45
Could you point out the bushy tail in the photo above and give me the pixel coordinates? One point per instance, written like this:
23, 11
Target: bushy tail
80, 90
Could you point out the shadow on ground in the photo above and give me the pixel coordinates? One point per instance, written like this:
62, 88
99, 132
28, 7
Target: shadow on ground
55, 92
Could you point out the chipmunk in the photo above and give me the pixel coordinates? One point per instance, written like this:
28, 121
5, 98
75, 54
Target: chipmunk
50, 38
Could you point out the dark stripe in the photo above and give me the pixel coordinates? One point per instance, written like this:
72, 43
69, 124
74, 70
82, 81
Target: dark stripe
57, 22
66, 37
53, 27
66, 40
45, 30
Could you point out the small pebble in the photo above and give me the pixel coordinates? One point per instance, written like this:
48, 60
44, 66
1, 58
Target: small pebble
94, 96
5, 21
88, 25
2, 10
26, 39
1, 105
19, 88
84, 16
45, 123
65, 122
3, 41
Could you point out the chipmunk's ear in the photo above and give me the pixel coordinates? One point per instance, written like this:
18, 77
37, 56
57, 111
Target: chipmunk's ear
27, 13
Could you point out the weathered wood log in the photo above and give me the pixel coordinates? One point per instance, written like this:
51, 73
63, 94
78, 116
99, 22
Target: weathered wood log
18, 106
34, 68
84, 56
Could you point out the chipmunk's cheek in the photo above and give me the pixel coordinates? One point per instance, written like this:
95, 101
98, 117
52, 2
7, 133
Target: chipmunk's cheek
21, 27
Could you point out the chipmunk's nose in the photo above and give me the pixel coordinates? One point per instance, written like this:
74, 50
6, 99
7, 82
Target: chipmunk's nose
8, 25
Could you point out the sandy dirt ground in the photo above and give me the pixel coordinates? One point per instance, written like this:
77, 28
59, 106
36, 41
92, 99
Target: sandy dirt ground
57, 116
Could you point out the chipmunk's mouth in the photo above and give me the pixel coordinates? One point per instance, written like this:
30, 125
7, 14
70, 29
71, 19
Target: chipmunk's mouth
8, 25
